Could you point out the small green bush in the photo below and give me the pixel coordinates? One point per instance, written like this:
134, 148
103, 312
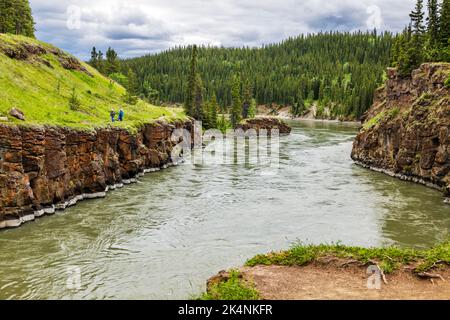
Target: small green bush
447, 82
232, 289
74, 102
374, 121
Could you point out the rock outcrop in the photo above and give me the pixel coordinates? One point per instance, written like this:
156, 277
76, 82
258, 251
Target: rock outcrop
48, 168
406, 133
267, 123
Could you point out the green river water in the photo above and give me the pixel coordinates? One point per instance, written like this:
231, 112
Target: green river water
162, 237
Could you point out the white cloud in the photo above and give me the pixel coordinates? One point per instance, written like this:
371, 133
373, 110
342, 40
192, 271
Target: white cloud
148, 26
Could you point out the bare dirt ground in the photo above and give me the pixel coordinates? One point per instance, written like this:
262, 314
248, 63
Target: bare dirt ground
330, 282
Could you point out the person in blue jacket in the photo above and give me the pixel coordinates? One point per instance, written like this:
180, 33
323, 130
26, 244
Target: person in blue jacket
121, 115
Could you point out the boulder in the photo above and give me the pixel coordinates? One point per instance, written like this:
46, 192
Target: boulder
17, 113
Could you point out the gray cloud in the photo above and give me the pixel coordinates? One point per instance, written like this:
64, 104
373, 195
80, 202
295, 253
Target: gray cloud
149, 26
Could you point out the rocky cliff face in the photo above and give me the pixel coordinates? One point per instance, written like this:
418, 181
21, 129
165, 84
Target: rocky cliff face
48, 168
265, 123
406, 133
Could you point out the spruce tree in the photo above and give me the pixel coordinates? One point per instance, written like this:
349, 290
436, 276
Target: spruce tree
94, 58
444, 30
213, 112
190, 90
132, 87
412, 47
112, 62
24, 23
236, 108
197, 111
247, 98
433, 23
252, 110
100, 62
16, 17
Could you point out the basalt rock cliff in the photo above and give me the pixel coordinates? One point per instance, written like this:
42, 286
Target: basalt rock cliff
406, 133
265, 123
43, 169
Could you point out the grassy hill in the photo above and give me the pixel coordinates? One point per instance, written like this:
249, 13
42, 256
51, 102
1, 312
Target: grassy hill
39, 79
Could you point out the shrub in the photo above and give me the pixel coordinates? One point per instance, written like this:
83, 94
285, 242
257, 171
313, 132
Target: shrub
447, 82
74, 102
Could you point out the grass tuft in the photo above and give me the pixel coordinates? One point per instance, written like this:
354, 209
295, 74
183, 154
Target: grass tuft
232, 289
389, 259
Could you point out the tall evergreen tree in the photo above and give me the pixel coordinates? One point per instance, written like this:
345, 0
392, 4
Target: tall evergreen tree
197, 111
236, 107
433, 22
94, 58
112, 62
16, 17
252, 110
132, 87
247, 98
191, 83
213, 112
444, 30
417, 42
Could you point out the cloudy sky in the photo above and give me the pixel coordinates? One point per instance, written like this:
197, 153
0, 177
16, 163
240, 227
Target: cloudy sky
139, 27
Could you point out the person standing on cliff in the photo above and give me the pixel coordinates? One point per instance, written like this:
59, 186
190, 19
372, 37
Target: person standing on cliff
113, 115
121, 114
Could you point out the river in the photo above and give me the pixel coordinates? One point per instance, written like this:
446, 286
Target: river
162, 237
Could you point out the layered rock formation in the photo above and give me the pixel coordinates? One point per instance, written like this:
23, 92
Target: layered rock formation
406, 133
267, 123
48, 168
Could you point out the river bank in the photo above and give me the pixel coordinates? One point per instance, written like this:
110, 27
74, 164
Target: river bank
336, 272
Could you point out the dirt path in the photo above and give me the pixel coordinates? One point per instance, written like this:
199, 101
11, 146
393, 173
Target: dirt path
330, 282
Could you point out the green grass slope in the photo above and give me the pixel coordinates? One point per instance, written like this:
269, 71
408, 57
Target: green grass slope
39, 79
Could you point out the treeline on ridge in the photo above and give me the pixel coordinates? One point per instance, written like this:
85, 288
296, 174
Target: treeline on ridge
337, 71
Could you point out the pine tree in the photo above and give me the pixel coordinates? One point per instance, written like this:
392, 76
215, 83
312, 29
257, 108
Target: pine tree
252, 110
112, 62
132, 88
444, 30
16, 17
433, 23
100, 62
412, 51
190, 90
94, 58
247, 99
213, 112
24, 23
236, 108
197, 112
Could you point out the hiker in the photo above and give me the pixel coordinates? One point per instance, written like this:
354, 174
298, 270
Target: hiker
121, 114
113, 115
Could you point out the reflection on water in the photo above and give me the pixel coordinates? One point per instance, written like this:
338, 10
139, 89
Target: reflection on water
164, 236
